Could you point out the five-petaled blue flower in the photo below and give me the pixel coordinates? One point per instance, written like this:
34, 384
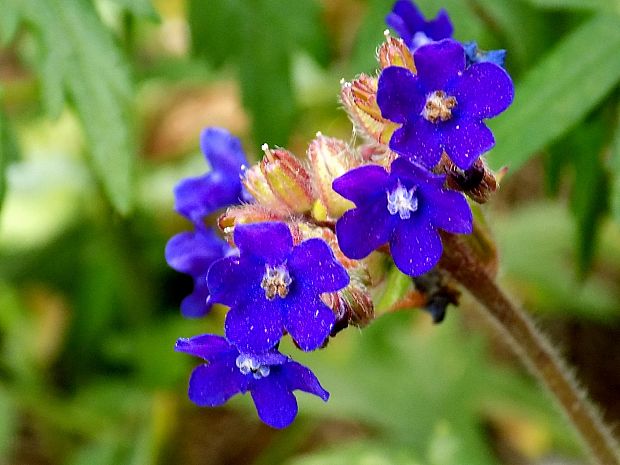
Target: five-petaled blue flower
198, 197
405, 208
270, 378
407, 20
273, 286
442, 107
193, 253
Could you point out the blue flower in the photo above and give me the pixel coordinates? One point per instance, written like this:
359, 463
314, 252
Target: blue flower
404, 208
475, 55
407, 20
193, 253
270, 378
273, 286
198, 197
442, 107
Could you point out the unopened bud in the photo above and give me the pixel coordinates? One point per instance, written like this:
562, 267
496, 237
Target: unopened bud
359, 99
288, 179
330, 158
250, 213
394, 52
254, 181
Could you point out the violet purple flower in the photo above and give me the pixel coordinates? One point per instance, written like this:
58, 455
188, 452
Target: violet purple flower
407, 20
270, 377
405, 208
193, 253
442, 107
273, 286
198, 197
476, 55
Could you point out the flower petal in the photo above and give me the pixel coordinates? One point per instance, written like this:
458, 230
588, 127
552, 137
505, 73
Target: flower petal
483, 91
418, 140
465, 140
256, 327
193, 252
275, 404
438, 63
195, 305
223, 151
399, 94
270, 242
300, 377
361, 184
309, 321
213, 384
315, 267
448, 210
403, 169
363, 229
235, 280
440, 27
415, 246
198, 197
406, 19
207, 346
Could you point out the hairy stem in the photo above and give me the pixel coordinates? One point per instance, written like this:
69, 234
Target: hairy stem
533, 347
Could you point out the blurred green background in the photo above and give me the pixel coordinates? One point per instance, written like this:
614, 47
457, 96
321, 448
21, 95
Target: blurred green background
102, 104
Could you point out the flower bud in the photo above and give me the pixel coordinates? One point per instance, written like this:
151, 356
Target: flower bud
250, 213
359, 99
288, 179
329, 159
256, 184
394, 52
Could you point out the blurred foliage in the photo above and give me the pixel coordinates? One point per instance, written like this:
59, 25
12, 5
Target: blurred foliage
102, 102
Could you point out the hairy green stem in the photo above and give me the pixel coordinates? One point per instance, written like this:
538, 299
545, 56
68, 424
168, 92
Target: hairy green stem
533, 347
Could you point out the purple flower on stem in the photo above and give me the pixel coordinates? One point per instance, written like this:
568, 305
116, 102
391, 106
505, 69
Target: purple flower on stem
407, 20
405, 208
274, 286
443, 106
198, 197
193, 253
270, 378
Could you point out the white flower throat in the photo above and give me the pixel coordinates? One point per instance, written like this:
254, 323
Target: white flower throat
402, 201
247, 365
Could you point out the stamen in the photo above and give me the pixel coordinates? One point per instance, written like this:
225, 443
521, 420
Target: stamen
276, 281
402, 201
247, 365
438, 106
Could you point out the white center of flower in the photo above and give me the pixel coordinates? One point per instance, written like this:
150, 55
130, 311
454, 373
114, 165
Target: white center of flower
438, 106
276, 281
247, 365
402, 201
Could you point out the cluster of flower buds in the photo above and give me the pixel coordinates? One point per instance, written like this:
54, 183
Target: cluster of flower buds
304, 241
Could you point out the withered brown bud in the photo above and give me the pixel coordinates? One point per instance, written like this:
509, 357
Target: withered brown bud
288, 179
394, 52
478, 182
329, 159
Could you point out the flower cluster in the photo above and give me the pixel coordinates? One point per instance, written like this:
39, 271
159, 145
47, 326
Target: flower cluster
302, 240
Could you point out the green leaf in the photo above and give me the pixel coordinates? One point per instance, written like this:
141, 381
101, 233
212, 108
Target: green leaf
9, 21
139, 8
8, 152
559, 91
81, 62
8, 425
359, 453
615, 172
601, 5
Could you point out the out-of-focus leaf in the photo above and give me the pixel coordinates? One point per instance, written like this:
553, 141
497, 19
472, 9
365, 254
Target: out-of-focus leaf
8, 152
361, 453
9, 20
262, 43
139, 8
615, 172
8, 425
601, 5
559, 91
80, 61
538, 258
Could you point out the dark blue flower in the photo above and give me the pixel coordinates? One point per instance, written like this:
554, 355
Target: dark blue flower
442, 107
193, 253
270, 378
273, 286
405, 208
475, 55
407, 20
198, 197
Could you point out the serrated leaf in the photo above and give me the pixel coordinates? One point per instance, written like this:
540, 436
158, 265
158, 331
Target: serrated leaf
81, 61
601, 5
8, 152
559, 91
